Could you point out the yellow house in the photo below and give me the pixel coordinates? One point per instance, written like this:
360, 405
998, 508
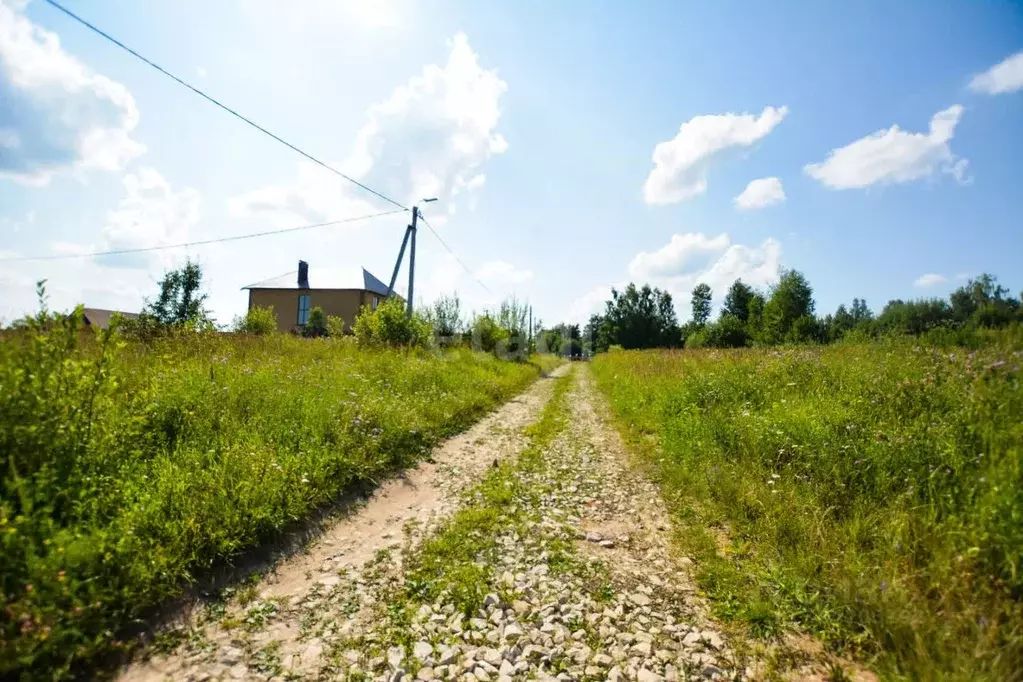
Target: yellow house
339, 292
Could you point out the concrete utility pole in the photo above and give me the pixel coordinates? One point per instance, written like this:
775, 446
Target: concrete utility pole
410, 233
412, 259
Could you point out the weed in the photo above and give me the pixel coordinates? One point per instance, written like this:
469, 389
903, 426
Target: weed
128, 469
870, 494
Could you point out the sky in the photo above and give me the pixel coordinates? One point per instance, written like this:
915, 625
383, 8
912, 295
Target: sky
573, 146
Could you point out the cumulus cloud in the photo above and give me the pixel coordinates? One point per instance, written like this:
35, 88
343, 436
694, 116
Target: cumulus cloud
502, 272
681, 164
430, 137
1005, 76
931, 279
58, 114
151, 213
687, 260
760, 193
894, 156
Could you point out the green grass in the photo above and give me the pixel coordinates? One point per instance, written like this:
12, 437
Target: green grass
869, 494
129, 470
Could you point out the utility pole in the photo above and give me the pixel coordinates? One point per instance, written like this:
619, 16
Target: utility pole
410, 235
412, 260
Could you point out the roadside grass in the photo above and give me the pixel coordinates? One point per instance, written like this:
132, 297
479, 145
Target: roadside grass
869, 494
129, 470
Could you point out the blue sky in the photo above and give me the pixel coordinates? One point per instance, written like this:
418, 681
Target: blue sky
574, 146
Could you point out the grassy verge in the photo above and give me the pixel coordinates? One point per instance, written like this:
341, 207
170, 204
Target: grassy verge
127, 470
870, 494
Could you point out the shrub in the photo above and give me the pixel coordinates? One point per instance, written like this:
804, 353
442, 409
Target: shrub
335, 326
258, 320
728, 332
390, 325
316, 325
487, 333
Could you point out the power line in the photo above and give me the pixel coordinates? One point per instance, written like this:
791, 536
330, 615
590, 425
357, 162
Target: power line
453, 254
211, 99
118, 252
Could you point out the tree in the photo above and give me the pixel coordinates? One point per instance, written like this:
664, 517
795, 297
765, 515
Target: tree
701, 304
841, 323
860, 312
727, 332
641, 318
737, 301
390, 325
181, 299
598, 333
316, 325
791, 299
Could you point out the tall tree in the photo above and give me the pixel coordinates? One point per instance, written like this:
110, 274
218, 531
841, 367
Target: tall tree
791, 299
641, 318
701, 304
181, 300
737, 300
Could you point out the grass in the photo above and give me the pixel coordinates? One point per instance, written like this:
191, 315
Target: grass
130, 470
869, 494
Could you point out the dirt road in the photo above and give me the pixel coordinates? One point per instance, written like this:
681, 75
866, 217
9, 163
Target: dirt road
565, 546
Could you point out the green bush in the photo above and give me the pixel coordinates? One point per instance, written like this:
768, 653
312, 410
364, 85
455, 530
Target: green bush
258, 320
127, 469
390, 325
335, 326
316, 325
872, 493
487, 333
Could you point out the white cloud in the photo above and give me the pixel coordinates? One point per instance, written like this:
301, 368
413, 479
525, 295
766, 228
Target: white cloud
681, 164
59, 114
1005, 76
689, 252
429, 138
760, 193
501, 272
894, 156
151, 213
931, 279
687, 260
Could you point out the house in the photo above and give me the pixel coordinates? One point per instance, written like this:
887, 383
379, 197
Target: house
340, 293
98, 318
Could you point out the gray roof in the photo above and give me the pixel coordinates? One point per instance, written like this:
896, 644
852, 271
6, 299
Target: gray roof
328, 278
98, 317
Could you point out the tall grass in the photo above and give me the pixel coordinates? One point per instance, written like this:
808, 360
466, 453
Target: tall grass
129, 469
871, 494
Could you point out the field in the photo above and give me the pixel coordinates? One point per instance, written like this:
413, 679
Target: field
869, 494
129, 470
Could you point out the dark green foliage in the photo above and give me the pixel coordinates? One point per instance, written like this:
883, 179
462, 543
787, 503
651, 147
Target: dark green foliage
181, 299
737, 301
641, 318
316, 325
791, 299
701, 304
728, 332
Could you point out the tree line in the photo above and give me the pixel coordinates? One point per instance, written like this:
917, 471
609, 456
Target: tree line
644, 317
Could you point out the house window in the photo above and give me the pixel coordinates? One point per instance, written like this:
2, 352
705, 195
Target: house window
303, 309
376, 302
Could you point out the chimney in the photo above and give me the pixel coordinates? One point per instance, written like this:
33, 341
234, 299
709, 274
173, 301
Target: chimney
303, 275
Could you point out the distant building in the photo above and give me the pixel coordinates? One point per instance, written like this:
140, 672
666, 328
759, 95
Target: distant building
341, 293
100, 319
